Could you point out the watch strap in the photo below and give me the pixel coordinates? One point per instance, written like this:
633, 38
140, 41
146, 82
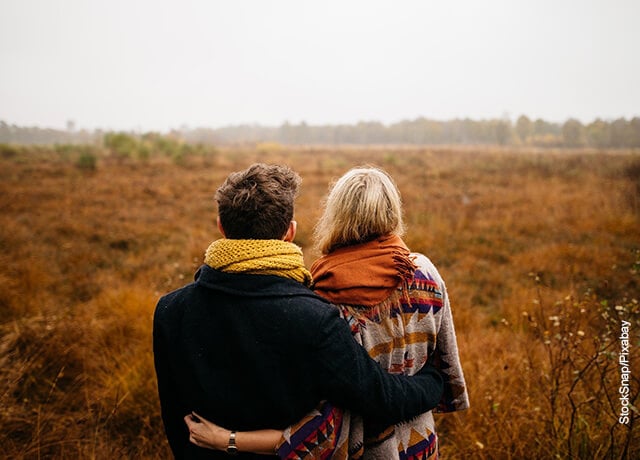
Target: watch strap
231, 446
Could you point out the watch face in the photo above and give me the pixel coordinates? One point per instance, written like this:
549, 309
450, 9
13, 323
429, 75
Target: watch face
232, 449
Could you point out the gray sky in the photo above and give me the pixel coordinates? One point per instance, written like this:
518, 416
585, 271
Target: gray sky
156, 65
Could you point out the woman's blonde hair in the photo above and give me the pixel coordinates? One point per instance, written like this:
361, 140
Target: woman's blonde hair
361, 206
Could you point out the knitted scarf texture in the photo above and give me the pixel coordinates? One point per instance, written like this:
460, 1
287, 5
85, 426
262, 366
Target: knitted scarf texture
363, 274
258, 257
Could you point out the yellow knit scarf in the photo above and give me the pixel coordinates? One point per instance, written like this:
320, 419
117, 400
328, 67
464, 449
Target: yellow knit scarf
258, 257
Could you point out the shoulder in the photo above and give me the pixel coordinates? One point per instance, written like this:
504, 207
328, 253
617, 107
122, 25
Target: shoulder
308, 308
172, 303
427, 268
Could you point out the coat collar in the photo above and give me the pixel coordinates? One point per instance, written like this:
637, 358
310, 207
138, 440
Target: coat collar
249, 285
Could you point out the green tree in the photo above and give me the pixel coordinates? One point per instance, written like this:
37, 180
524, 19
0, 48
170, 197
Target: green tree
573, 133
87, 161
621, 133
634, 125
503, 131
598, 134
121, 145
524, 128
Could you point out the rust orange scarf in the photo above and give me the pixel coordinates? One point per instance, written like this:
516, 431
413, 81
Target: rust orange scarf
363, 274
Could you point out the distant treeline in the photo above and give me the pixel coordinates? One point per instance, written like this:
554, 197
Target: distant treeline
421, 131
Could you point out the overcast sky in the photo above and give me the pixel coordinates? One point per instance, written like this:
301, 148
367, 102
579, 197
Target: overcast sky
156, 65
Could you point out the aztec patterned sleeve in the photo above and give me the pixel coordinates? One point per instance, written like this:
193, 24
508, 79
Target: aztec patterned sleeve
323, 434
445, 356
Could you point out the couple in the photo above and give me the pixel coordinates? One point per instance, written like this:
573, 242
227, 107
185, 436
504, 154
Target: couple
350, 369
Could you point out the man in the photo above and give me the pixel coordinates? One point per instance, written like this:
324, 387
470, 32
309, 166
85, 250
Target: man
248, 345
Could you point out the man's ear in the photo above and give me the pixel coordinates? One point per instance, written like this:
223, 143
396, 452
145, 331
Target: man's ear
291, 231
220, 227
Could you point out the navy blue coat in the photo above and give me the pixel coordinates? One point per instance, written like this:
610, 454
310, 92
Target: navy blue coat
260, 351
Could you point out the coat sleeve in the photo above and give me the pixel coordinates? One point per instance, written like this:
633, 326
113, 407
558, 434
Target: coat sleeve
351, 379
447, 359
171, 410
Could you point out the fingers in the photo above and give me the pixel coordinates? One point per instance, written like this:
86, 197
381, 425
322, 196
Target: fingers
189, 421
193, 423
195, 437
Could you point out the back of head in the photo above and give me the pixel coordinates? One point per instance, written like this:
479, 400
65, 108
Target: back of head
257, 203
361, 206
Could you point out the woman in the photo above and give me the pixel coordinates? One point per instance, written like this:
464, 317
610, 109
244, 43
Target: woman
397, 306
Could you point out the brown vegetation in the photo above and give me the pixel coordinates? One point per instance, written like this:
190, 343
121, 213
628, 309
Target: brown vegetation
540, 251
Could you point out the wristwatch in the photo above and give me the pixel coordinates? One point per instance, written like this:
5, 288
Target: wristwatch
232, 449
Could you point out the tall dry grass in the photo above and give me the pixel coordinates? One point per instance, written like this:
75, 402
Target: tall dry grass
540, 251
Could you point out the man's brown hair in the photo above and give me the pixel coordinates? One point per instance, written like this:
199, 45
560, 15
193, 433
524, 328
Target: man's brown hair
257, 203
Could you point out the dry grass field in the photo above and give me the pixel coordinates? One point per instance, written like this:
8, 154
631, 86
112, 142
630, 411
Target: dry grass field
540, 251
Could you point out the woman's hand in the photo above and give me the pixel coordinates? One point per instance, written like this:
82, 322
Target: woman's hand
204, 433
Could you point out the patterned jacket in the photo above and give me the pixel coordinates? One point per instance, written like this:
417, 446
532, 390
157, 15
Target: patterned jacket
414, 325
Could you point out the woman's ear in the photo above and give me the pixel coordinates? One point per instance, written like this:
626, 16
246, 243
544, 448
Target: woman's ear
220, 227
291, 231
